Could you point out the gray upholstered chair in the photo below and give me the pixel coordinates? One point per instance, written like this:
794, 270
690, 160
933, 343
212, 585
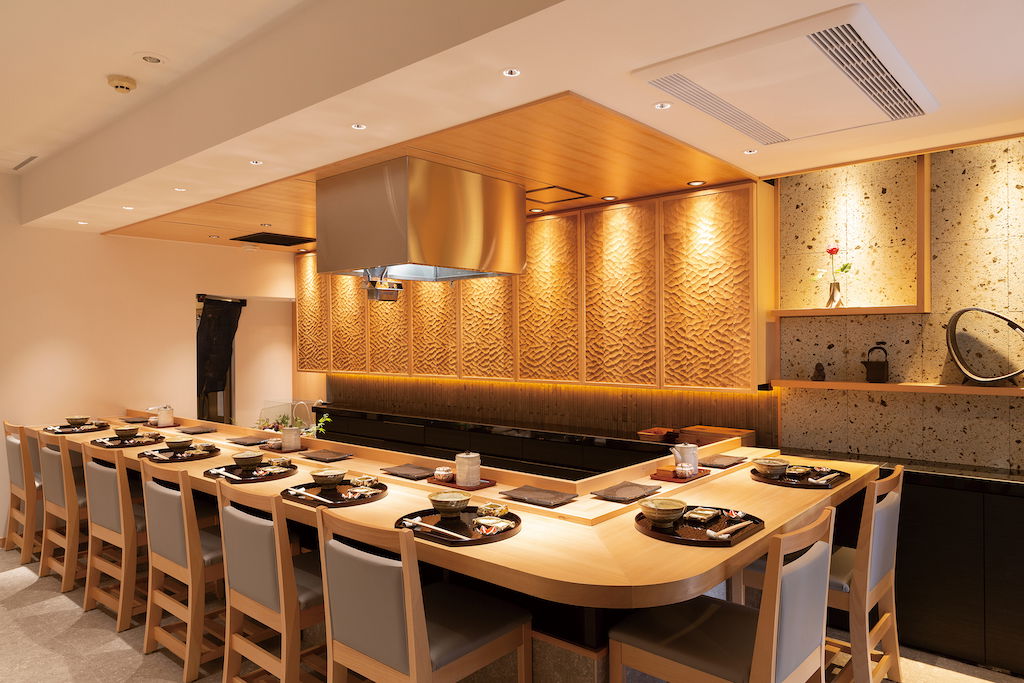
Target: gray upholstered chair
382, 625
193, 558
706, 639
117, 534
25, 512
860, 579
64, 510
265, 583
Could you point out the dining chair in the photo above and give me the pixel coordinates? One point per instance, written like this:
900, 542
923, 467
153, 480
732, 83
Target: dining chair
383, 625
64, 510
706, 639
24, 513
117, 534
265, 583
182, 559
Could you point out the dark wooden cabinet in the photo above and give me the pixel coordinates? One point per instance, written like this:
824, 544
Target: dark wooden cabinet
1004, 581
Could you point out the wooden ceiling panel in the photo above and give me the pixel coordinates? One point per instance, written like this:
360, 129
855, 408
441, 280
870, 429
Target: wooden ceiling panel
564, 140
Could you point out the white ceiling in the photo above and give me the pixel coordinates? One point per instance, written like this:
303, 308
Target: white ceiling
969, 55
55, 56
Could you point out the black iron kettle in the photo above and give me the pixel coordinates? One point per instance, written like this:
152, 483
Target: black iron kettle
877, 370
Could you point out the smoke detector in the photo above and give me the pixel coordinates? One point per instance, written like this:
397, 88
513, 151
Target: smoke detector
121, 83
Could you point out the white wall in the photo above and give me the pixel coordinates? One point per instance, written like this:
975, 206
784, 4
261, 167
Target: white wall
263, 357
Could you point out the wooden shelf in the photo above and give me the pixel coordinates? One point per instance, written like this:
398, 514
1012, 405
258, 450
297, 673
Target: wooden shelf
915, 387
861, 310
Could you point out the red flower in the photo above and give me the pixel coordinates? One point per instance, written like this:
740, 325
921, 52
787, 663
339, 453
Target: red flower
832, 251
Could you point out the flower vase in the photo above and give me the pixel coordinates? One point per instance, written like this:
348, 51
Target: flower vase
835, 295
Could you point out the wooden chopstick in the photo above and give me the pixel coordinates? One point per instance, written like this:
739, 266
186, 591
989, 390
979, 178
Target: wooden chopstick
437, 528
300, 492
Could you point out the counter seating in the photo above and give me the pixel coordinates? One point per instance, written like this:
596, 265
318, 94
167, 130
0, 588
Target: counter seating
117, 536
707, 639
25, 513
382, 625
64, 511
265, 583
181, 555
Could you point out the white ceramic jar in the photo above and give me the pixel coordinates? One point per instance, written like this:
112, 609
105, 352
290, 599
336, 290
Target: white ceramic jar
467, 469
685, 454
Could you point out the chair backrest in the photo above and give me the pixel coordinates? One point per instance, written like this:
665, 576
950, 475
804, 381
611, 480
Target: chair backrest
879, 528
387, 591
257, 552
107, 491
57, 473
18, 461
171, 521
791, 623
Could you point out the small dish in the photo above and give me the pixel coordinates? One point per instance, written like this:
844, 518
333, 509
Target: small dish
360, 492
328, 478
248, 460
77, 420
797, 470
491, 524
125, 433
363, 480
702, 514
493, 509
449, 503
208, 447
662, 511
773, 468
102, 424
280, 461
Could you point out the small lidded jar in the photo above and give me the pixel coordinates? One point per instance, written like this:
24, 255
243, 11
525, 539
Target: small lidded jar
444, 473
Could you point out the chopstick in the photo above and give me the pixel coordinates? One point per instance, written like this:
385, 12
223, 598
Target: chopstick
436, 528
729, 530
825, 479
221, 471
300, 492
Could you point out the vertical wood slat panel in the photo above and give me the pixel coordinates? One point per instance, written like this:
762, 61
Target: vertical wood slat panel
312, 317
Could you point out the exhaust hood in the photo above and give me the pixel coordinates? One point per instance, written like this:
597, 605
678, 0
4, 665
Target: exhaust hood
412, 219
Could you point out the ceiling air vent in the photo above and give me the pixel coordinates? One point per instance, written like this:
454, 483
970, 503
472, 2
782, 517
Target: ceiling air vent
829, 72
274, 238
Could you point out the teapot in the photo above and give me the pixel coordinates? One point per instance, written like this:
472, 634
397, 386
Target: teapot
877, 371
164, 415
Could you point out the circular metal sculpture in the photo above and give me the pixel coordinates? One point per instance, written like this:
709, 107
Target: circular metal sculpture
954, 349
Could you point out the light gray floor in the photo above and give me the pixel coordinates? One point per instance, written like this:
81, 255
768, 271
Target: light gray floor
45, 635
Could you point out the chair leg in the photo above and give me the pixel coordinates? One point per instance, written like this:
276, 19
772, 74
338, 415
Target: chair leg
290, 654
232, 658
47, 550
736, 588
891, 641
71, 538
28, 533
154, 614
92, 574
615, 668
194, 631
126, 593
9, 529
524, 656
336, 673
860, 652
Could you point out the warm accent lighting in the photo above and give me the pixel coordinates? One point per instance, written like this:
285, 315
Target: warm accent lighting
181, 189
128, 208
359, 126
609, 198
511, 73
663, 105
303, 251
750, 151
696, 183
536, 210
83, 222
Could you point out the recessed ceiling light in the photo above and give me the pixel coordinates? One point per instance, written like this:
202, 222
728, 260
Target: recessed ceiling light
181, 189
662, 105
359, 126
696, 183
750, 151
609, 198
128, 208
151, 59
214, 237
256, 162
511, 73
83, 222
303, 251
265, 225
536, 210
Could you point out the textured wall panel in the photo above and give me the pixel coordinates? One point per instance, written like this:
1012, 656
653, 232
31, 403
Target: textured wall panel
707, 297
487, 343
348, 324
389, 335
549, 306
620, 288
434, 343
312, 309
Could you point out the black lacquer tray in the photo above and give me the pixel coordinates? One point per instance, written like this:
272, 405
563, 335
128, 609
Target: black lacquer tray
134, 442
690, 532
69, 429
802, 481
246, 476
167, 455
463, 524
333, 494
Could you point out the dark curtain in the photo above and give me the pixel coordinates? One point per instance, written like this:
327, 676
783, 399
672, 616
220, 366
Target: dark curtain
215, 342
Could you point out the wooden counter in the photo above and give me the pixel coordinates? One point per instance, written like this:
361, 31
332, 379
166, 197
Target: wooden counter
585, 553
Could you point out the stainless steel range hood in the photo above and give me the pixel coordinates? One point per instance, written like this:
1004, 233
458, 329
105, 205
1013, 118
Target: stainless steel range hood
411, 219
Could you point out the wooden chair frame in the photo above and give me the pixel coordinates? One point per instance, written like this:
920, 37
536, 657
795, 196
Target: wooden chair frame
766, 639
289, 622
24, 501
70, 513
341, 658
126, 601
866, 664
193, 647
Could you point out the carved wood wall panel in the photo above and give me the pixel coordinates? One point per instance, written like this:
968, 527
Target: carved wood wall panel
487, 334
388, 344
348, 324
707, 295
549, 300
312, 316
621, 285
434, 334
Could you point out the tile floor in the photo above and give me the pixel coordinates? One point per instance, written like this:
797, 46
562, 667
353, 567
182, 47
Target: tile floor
45, 635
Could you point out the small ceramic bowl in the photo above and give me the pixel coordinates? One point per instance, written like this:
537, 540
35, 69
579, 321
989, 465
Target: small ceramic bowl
128, 432
444, 473
153, 421
773, 468
178, 444
208, 447
248, 460
364, 480
492, 510
100, 423
328, 478
280, 461
77, 420
449, 503
662, 511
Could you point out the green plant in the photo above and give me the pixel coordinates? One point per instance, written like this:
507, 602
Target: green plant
318, 428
